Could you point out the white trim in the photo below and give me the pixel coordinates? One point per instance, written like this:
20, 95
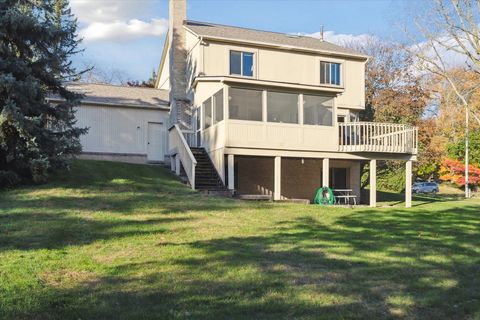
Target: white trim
342, 72
318, 154
277, 172
268, 83
106, 104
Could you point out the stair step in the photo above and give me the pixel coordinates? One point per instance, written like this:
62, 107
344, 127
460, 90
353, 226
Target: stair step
206, 176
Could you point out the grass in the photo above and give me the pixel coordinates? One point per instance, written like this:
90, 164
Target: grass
121, 241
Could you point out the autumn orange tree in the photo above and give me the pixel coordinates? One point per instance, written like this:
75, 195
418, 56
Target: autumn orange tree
454, 171
394, 92
443, 127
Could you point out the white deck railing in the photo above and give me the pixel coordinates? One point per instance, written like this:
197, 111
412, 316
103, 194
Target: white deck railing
180, 148
377, 137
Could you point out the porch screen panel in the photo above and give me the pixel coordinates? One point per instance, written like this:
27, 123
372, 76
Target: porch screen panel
282, 107
317, 110
207, 113
245, 104
218, 97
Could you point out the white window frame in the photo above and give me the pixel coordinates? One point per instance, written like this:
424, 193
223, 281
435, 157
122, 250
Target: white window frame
242, 51
342, 72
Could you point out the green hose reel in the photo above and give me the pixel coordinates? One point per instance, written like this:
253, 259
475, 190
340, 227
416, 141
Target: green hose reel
324, 196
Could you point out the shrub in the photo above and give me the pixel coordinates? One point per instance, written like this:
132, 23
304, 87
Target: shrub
8, 179
391, 180
39, 170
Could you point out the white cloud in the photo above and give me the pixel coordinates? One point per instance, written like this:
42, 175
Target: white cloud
89, 11
123, 30
117, 20
449, 57
341, 38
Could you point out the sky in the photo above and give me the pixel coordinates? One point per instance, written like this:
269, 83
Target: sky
127, 36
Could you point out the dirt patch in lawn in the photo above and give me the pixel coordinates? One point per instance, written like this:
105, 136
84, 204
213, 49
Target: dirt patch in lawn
65, 278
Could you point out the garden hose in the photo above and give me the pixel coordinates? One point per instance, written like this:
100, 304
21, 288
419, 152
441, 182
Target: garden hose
324, 196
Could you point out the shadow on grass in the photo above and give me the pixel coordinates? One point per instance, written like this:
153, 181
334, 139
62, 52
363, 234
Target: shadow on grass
395, 198
369, 264
99, 201
379, 264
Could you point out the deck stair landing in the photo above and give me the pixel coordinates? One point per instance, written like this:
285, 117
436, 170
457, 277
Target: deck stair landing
206, 176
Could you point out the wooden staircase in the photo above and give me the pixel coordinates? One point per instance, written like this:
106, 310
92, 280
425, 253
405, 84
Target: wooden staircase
206, 176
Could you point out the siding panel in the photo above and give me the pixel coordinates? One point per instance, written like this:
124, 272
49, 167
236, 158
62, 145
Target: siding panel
117, 129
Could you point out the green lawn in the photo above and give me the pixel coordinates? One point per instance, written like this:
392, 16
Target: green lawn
120, 241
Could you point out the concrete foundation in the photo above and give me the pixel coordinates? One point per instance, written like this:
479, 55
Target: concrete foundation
117, 157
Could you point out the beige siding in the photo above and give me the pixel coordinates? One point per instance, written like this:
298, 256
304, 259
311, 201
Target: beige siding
118, 130
267, 135
288, 67
218, 159
354, 95
164, 82
205, 90
194, 59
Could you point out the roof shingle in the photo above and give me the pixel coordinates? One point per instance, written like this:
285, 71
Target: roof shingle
105, 94
211, 30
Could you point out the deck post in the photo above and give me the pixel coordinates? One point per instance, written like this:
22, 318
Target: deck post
408, 184
326, 172
231, 171
373, 183
177, 164
278, 178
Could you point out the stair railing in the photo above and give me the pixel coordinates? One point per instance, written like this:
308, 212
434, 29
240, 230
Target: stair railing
190, 137
180, 148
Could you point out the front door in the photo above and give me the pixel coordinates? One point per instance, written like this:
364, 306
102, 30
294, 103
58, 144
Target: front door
155, 142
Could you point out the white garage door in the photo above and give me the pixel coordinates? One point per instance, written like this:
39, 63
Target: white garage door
155, 147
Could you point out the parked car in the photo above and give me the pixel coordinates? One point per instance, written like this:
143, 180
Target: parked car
425, 187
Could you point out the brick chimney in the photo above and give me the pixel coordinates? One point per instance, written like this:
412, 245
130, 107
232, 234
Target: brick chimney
181, 110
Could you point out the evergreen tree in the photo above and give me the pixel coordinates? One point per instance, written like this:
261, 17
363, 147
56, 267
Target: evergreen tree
37, 40
150, 83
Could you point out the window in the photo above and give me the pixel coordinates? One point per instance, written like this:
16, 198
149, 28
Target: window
354, 117
330, 73
282, 107
317, 110
198, 113
241, 63
207, 113
245, 104
218, 98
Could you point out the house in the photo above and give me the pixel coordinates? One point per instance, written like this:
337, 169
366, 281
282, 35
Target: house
272, 114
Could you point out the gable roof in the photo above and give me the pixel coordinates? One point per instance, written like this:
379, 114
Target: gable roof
114, 95
268, 38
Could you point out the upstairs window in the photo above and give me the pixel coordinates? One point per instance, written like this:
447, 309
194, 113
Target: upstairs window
241, 63
330, 73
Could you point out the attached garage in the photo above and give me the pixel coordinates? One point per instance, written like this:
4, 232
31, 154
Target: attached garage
125, 123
